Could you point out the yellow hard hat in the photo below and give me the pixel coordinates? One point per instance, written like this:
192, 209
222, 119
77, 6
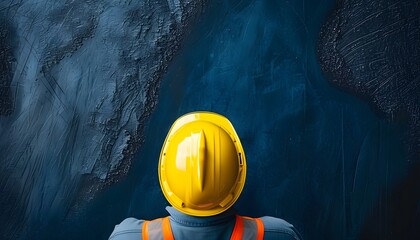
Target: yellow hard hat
202, 166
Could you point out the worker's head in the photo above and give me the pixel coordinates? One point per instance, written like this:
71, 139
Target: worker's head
202, 164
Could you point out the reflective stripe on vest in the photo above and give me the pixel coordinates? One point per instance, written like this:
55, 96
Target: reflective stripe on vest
245, 228
248, 228
158, 229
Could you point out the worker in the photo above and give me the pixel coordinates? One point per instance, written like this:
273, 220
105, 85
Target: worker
202, 171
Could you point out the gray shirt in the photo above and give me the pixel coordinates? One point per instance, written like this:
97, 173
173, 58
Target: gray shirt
215, 227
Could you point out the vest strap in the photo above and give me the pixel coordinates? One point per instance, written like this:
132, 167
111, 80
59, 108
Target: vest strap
248, 228
166, 227
238, 230
157, 229
260, 229
145, 230
245, 228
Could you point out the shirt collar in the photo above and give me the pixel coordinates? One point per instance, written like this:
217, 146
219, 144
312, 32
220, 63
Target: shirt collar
185, 219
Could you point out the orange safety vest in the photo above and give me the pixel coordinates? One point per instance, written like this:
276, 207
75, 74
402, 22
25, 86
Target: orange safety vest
161, 229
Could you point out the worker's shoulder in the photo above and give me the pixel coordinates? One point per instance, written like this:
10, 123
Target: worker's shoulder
129, 228
279, 227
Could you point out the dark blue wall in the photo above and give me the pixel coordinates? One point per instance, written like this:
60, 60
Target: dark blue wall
317, 156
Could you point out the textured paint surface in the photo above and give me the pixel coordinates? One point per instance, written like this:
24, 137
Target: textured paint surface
317, 156
78, 80
372, 50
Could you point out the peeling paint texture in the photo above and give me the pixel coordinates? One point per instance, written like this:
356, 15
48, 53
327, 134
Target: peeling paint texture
78, 81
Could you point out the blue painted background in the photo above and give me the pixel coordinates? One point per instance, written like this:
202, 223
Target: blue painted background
317, 156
